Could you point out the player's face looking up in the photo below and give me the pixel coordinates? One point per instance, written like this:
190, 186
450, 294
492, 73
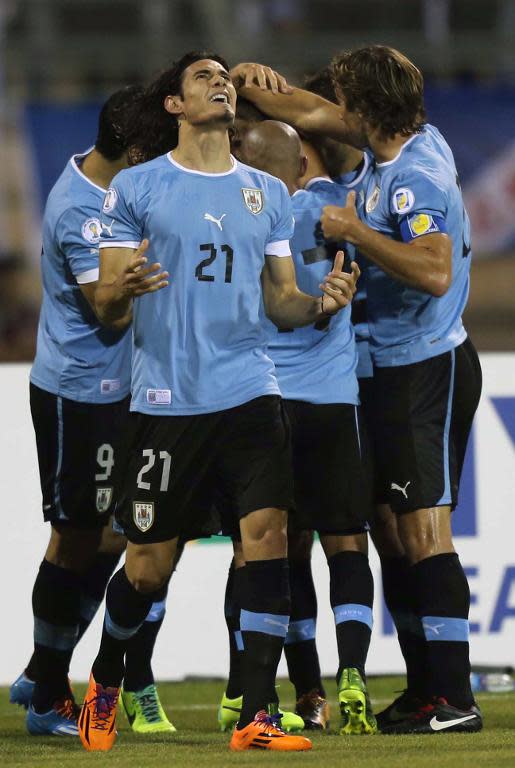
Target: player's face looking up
207, 95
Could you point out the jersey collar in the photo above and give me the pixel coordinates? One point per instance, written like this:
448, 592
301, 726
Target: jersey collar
202, 173
74, 164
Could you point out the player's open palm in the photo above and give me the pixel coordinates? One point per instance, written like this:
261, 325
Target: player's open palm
339, 287
138, 278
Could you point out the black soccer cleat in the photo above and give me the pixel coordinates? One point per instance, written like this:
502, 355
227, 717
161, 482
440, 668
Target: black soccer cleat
400, 709
436, 717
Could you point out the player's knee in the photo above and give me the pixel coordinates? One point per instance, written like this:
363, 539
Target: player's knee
72, 548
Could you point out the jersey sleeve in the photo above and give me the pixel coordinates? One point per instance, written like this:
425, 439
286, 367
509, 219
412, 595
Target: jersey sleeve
418, 203
121, 227
78, 234
282, 229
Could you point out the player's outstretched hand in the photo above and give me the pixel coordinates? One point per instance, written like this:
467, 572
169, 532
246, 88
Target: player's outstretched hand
340, 223
339, 287
248, 74
137, 279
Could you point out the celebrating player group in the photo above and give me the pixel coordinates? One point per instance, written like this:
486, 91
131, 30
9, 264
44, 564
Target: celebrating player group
251, 324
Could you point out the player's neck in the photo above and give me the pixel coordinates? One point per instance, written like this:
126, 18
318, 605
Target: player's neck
202, 149
387, 149
101, 171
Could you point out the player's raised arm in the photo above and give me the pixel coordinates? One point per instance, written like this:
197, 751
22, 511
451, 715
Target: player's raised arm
124, 275
424, 263
288, 307
305, 111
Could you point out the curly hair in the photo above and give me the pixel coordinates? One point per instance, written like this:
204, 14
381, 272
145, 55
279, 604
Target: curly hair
384, 86
114, 122
155, 131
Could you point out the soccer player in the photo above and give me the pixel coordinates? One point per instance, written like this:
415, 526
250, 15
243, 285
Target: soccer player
78, 394
205, 401
427, 377
315, 369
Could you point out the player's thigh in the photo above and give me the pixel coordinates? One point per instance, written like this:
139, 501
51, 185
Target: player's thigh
330, 468
76, 458
254, 462
164, 491
413, 408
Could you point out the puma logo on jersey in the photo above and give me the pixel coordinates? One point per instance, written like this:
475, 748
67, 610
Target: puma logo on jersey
218, 222
434, 627
108, 227
395, 487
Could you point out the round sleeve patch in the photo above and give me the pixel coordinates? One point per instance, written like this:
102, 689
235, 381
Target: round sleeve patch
91, 230
110, 200
403, 200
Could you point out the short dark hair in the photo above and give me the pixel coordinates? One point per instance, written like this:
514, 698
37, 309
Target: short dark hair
322, 83
155, 131
384, 85
115, 120
247, 111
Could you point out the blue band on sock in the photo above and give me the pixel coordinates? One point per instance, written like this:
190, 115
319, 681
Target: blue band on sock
444, 628
408, 622
353, 612
118, 632
267, 623
53, 636
157, 611
301, 631
238, 639
88, 607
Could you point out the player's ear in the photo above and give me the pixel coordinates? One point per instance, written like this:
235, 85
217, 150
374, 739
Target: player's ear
303, 166
173, 105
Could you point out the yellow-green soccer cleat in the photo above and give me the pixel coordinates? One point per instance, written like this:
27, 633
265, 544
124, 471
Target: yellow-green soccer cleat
229, 714
145, 712
357, 717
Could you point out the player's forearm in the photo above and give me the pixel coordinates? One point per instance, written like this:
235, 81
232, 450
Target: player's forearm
294, 309
425, 269
305, 111
113, 307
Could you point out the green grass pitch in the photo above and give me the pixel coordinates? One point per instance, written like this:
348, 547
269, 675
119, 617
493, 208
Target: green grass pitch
192, 707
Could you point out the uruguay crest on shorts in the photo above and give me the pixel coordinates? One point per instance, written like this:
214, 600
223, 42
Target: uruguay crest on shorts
143, 514
253, 199
104, 498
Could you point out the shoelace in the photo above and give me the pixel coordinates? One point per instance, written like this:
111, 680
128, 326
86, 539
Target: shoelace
149, 706
269, 722
104, 703
67, 708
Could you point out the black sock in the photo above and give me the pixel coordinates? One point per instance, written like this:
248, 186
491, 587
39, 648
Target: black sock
444, 601
138, 656
352, 597
400, 599
126, 610
300, 645
94, 585
232, 609
55, 604
265, 610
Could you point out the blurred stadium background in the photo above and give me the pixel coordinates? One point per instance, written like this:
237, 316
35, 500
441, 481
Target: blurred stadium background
60, 58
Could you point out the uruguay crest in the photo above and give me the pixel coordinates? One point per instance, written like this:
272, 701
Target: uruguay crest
373, 200
143, 514
253, 199
104, 498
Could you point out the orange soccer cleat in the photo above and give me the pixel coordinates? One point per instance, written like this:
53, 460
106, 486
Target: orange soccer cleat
264, 732
97, 718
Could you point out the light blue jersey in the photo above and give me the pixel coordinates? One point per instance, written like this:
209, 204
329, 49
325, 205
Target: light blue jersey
413, 195
199, 344
358, 182
76, 357
317, 363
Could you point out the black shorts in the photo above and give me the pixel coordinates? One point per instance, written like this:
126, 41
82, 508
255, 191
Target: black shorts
77, 444
330, 468
177, 467
422, 416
